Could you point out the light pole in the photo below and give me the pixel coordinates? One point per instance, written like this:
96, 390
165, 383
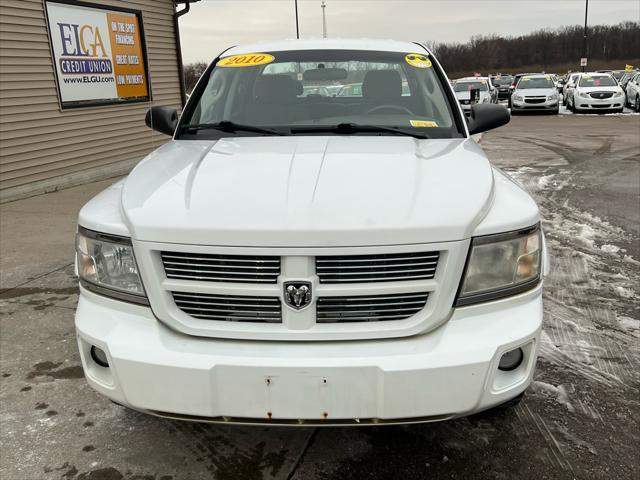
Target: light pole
297, 28
324, 20
586, 12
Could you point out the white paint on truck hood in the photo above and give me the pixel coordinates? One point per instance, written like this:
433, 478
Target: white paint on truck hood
309, 191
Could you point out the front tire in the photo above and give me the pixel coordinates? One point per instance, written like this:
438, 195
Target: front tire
637, 109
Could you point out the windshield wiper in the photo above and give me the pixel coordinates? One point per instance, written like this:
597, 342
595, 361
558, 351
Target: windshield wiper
231, 127
350, 128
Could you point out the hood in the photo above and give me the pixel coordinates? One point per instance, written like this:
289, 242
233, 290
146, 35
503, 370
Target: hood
535, 92
309, 191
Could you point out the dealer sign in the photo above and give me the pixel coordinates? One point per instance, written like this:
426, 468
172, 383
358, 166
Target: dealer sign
98, 53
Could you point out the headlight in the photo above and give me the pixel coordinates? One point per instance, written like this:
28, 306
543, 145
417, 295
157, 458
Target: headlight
501, 265
106, 265
583, 94
517, 98
553, 96
618, 93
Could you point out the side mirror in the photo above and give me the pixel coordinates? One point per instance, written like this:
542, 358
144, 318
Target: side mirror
487, 116
162, 119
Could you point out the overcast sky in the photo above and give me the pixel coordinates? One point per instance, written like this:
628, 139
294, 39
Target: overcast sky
213, 25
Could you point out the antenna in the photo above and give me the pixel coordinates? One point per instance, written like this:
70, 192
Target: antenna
323, 5
297, 28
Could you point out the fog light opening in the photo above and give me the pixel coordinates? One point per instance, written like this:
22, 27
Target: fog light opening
511, 360
98, 356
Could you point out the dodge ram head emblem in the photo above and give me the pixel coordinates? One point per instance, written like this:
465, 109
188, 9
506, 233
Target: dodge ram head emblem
297, 294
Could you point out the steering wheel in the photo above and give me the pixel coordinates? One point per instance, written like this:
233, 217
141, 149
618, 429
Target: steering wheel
390, 107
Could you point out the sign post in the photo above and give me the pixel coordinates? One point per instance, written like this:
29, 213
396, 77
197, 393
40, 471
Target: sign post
583, 62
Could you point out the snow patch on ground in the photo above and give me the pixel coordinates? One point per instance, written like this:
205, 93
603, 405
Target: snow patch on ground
559, 393
608, 248
586, 235
629, 324
623, 292
544, 181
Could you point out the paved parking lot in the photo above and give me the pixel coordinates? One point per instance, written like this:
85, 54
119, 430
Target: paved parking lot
580, 419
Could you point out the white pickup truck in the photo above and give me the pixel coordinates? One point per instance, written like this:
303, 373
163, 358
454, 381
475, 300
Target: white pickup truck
296, 257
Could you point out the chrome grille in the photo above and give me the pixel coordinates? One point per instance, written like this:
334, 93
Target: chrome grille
369, 308
601, 94
221, 268
230, 308
377, 268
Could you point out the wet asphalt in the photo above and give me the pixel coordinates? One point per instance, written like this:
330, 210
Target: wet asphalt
580, 418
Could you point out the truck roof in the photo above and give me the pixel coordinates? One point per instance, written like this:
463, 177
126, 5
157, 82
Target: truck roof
326, 44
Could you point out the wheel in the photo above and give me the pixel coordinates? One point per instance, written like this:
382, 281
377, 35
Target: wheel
513, 112
620, 110
637, 109
555, 112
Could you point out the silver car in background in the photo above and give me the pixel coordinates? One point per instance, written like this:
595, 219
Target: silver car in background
632, 89
464, 86
535, 93
569, 86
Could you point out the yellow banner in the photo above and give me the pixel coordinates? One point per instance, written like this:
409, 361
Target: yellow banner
126, 48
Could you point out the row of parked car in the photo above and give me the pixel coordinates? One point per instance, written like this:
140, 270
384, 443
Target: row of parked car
580, 92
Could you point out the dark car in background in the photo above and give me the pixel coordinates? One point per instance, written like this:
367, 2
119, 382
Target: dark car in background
502, 83
617, 74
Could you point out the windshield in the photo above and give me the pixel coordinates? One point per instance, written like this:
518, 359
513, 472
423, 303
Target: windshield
467, 86
535, 82
599, 81
296, 92
502, 81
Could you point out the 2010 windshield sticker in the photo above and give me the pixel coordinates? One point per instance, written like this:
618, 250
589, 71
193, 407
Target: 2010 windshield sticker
423, 124
418, 60
246, 60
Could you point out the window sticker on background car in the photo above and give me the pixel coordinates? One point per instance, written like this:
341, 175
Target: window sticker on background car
417, 60
423, 123
246, 60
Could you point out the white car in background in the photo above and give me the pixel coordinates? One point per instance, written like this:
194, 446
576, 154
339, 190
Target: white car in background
463, 87
633, 92
569, 86
535, 93
596, 92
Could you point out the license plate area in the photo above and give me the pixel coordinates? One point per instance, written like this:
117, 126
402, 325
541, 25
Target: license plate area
296, 393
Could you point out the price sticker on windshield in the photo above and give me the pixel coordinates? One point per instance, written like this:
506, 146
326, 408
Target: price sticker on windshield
418, 60
423, 124
246, 60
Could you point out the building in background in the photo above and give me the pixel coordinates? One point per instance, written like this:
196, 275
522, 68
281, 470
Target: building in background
76, 79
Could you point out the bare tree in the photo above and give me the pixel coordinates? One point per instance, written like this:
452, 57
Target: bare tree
192, 73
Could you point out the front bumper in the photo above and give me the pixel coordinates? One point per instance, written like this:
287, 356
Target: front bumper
504, 94
547, 106
589, 103
451, 371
